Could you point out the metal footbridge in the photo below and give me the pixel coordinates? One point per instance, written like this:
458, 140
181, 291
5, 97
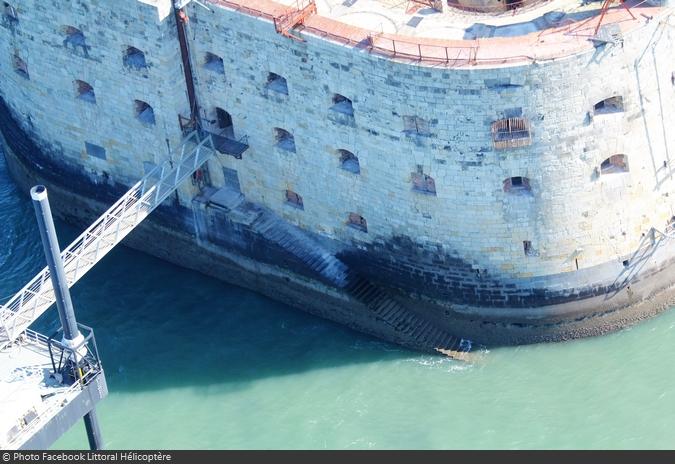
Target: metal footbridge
106, 232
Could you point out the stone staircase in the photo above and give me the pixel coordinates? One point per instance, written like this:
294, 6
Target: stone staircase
413, 329
303, 247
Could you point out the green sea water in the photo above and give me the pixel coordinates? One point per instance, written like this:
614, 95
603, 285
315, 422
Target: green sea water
195, 363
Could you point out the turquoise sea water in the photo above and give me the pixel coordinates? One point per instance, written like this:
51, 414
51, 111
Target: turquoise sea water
195, 363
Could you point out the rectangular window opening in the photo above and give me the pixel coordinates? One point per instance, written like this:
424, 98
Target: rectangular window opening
94, 150
528, 249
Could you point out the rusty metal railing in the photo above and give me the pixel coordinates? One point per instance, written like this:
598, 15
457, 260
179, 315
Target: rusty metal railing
239, 6
450, 54
293, 17
455, 53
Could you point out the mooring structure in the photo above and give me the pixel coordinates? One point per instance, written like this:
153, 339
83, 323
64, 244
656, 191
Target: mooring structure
48, 383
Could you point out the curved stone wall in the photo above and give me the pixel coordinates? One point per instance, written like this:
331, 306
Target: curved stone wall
573, 217
88, 43
541, 211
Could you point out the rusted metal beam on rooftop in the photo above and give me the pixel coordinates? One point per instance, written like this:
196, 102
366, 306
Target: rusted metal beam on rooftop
285, 23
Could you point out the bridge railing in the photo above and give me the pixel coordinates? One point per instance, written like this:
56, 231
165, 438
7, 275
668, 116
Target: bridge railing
44, 345
106, 232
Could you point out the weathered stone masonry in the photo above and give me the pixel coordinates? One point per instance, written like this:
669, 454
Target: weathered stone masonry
435, 211
572, 216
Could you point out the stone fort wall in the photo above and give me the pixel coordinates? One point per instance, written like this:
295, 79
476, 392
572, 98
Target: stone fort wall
63, 42
407, 120
574, 216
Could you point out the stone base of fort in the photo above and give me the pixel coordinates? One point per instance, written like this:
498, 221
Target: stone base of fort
598, 315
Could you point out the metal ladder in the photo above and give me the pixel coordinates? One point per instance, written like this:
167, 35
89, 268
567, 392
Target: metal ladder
102, 236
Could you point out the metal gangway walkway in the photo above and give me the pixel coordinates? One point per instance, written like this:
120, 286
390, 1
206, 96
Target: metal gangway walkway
106, 232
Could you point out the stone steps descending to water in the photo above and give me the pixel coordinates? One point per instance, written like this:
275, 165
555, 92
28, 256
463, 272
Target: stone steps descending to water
418, 331
422, 331
303, 247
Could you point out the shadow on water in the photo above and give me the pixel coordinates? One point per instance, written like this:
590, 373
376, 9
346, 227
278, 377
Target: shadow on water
161, 326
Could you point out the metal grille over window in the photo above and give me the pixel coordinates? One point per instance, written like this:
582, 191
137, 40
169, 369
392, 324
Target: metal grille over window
511, 133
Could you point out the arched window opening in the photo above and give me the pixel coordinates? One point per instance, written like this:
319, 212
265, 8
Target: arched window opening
511, 133
284, 139
342, 104
277, 83
517, 185
134, 58
349, 161
615, 164
85, 91
75, 38
224, 122
423, 183
20, 67
609, 105
144, 112
294, 200
214, 63
358, 222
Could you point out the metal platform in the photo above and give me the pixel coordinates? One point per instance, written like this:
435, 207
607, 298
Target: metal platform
229, 146
41, 397
46, 385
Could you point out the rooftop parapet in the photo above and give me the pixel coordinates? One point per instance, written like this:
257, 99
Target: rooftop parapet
540, 31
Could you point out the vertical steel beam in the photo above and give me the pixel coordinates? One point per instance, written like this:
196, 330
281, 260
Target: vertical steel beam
53, 254
93, 430
71, 334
